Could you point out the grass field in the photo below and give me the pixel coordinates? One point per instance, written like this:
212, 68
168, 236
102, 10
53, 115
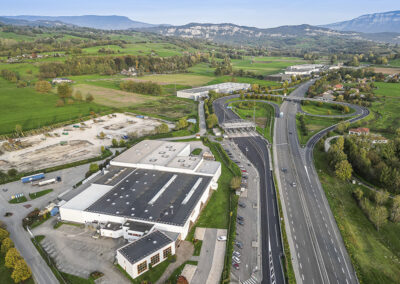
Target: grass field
395, 62
314, 125
187, 79
314, 108
266, 65
375, 255
387, 109
38, 194
26, 107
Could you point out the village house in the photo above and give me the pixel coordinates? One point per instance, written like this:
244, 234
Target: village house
359, 131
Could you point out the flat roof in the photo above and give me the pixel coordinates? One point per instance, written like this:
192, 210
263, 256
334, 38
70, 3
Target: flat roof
153, 196
145, 246
87, 197
138, 226
111, 226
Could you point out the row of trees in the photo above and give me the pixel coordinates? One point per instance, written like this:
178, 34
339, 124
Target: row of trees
338, 160
303, 125
147, 88
12, 258
107, 65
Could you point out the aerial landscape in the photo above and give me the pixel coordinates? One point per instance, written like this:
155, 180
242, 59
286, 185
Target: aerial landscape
163, 142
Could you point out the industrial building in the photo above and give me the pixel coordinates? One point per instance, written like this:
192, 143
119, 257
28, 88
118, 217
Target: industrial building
304, 69
202, 92
154, 190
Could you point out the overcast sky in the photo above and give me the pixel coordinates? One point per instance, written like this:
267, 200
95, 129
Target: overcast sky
259, 13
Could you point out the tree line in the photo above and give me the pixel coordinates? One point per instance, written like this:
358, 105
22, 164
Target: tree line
146, 88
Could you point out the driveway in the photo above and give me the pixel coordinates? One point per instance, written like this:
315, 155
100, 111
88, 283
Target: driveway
211, 260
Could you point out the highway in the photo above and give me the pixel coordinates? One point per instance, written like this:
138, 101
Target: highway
318, 252
256, 151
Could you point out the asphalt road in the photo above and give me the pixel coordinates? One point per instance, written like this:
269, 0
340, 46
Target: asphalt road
255, 148
318, 252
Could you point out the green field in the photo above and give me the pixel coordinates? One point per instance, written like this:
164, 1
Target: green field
314, 108
386, 109
375, 255
314, 125
26, 107
38, 194
395, 62
266, 65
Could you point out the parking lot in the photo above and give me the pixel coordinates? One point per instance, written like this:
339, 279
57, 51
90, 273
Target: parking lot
75, 251
248, 229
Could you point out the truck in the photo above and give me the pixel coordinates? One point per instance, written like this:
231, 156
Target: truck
46, 182
32, 178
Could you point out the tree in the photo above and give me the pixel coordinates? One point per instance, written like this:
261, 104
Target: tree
162, 128
89, 98
60, 103
93, 168
21, 271
12, 256
18, 129
235, 183
381, 197
3, 234
12, 172
114, 142
343, 170
346, 109
64, 91
182, 123
212, 120
6, 244
379, 216
42, 86
78, 96
395, 213
358, 194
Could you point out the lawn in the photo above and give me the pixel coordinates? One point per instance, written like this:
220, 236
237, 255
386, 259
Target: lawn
150, 276
375, 255
26, 107
264, 114
314, 124
223, 79
395, 62
314, 108
386, 108
187, 79
38, 194
5, 273
18, 200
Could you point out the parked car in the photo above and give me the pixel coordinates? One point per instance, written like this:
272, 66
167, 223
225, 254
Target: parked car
240, 218
221, 238
236, 266
236, 253
240, 222
294, 184
235, 259
241, 204
239, 244
244, 171
284, 170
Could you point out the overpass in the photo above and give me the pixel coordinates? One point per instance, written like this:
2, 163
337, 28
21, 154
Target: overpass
238, 124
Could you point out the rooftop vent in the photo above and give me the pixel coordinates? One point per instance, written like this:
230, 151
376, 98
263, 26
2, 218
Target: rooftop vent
145, 174
127, 195
127, 203
115, 193
165, 156
146, 210
151, 218
122, 187
133, 214
117, 212
181, 160
152, 161
133, 208
145, 182
108, 200
154, 242
121, 196
113, 203
127, 180
161, 152
137, 181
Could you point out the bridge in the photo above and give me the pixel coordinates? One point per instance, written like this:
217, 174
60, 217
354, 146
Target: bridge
239, 124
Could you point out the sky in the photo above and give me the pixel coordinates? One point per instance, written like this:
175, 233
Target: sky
258, 13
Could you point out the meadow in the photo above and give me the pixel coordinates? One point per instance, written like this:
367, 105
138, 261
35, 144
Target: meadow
314, 124
324, 109
26, 107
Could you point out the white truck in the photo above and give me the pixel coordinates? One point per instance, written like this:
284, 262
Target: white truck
46, 182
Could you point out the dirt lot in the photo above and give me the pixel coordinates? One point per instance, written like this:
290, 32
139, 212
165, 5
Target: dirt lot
71, 143
113, 98
388, 71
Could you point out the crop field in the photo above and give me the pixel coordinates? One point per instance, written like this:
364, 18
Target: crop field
26, 107
314, 108
374, 254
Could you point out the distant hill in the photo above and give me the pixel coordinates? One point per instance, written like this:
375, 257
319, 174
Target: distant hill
301, 36
371, 23
21, 22
89, 21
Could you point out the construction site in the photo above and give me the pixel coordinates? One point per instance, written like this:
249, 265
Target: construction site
72, 143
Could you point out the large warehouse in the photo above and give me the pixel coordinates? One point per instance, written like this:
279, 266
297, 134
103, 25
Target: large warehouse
202, 92
155, 186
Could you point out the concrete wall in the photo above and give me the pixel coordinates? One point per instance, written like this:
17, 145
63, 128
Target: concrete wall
111, 233
131, 269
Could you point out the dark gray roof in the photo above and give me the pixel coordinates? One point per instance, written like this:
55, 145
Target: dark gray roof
138, 226
145, 246
113, 226
131, 197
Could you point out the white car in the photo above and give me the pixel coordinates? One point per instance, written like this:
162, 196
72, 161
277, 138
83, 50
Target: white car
236, 259
221, 238
236, 253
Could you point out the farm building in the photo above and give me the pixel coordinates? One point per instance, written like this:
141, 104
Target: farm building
155, 186
202, 92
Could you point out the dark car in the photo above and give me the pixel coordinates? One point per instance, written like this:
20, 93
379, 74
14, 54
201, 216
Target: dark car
240, 218
241, 223
284, 170
239, 244
241, 204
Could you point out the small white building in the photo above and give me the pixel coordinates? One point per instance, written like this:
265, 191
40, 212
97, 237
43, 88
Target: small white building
136, 257
202, 92
61, 81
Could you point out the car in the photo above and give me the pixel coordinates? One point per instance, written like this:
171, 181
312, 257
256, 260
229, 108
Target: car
236, 266
240, 218
241, 204
236, 253
221, 238
244, 171
290, 132
245, 177
240, 222
294, 184
5, 189
249, 165
284, 170
236, 259
8, 214
239, 245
